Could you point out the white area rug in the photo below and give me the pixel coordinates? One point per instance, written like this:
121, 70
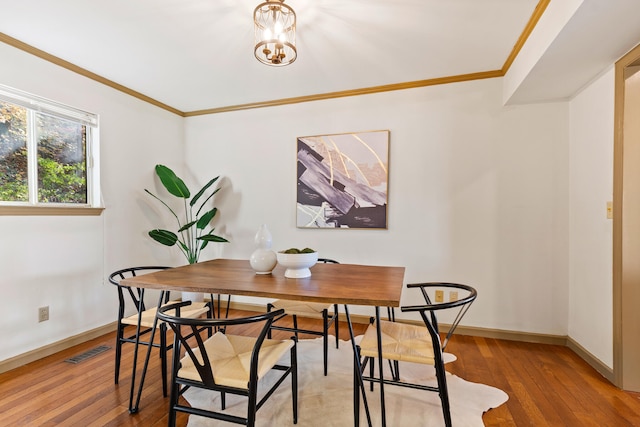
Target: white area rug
328, 401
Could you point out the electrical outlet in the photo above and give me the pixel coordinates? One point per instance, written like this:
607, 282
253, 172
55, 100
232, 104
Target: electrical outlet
453, 295
439, 295
43, 314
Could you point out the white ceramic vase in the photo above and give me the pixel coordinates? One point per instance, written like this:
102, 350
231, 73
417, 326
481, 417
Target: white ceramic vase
263, 259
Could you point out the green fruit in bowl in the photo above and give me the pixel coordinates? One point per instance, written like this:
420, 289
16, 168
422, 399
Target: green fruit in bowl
298, 251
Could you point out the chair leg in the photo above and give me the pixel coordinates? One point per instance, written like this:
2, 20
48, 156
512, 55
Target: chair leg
251, 411
295, 325
173, 401
269, 307
163, 357
211, 314
372, 363
226, 314
216, 310
294, 381
395, 370
356, 389
336, 322
325, 338
441, 376
120, 334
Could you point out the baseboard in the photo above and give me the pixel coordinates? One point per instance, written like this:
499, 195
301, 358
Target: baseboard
593, 361
461, 330
48, 350
512, 335
528, 337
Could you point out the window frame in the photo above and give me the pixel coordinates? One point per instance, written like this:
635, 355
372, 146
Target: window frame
35, 104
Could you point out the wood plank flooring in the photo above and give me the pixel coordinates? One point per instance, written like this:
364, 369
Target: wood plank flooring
547, 386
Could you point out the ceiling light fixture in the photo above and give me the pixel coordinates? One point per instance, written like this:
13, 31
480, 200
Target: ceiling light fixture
275, 33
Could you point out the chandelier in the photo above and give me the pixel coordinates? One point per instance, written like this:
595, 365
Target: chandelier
275, 33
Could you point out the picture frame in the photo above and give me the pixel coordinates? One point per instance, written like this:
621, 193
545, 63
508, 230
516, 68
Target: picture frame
342, 180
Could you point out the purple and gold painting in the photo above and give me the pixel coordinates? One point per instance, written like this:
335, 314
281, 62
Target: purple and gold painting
343, 180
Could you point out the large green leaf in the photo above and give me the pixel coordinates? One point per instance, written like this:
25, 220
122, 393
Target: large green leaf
197, 196
164, 236
186, 226
206, 200
213, 238
206, 218
185, 247
166, 205
172, 182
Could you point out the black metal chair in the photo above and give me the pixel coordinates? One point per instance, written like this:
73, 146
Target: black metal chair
217, 363
402, 342
327, 312
132, 300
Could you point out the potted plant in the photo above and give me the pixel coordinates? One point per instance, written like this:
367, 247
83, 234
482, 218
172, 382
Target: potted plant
192, 235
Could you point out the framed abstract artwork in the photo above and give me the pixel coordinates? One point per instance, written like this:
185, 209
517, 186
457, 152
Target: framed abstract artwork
342, 180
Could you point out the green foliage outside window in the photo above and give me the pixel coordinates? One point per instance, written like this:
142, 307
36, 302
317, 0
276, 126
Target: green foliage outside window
13, 153
60, 183
61, 157
61, 165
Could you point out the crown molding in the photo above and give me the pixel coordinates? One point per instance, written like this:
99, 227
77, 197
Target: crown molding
533, 20
4, 38
528, 29
351, 92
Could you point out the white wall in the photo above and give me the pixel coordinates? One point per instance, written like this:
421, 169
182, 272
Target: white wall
478, 192
591, 186
551, 23
62, 262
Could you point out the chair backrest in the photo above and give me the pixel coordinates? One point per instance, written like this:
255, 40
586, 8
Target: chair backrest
328, 261
184, 328
136, 295
428, 311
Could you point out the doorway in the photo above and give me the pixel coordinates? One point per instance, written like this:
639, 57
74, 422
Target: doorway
626, 223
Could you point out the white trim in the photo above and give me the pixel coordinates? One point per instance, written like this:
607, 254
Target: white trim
47, 106
37, 105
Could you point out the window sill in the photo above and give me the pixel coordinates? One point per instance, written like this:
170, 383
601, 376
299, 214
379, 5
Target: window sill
50, 211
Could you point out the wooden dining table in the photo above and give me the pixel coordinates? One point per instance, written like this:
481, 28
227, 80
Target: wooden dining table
344, 284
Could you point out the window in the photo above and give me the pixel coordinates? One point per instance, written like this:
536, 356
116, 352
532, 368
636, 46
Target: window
48, 153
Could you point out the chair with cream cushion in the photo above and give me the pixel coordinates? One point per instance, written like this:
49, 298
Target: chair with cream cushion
402, 342
328, 313
227, 363
131, 301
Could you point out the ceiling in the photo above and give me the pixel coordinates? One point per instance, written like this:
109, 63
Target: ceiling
194, 55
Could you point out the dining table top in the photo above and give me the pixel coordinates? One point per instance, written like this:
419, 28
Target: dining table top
356, 284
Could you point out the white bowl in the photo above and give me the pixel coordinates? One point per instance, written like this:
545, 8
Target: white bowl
297, 265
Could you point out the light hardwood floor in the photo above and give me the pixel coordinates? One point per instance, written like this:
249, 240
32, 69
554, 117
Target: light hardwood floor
547, 386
